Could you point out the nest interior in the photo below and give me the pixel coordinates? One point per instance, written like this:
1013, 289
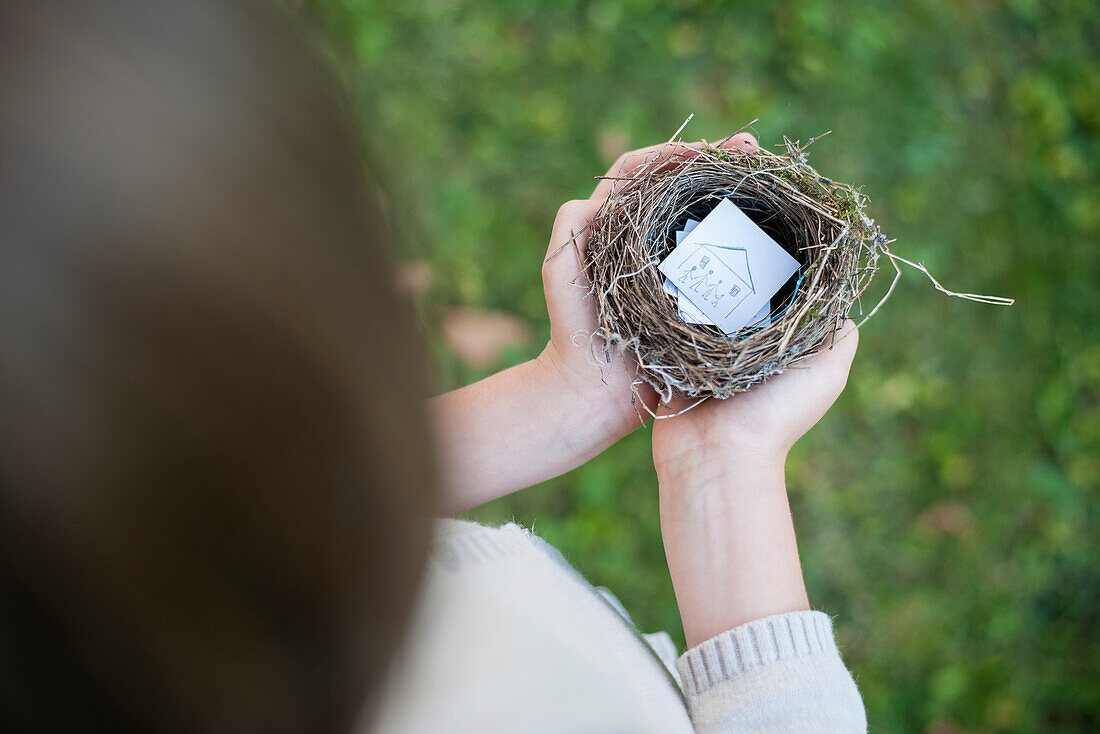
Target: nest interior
821, 223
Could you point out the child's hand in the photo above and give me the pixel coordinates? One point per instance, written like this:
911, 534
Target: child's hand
600, 388
725, 521
765, 421
547, 416
602, 391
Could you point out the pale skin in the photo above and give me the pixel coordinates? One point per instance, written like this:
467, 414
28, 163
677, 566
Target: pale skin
725, 521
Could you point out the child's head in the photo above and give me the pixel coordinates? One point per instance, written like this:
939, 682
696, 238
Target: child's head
214, 474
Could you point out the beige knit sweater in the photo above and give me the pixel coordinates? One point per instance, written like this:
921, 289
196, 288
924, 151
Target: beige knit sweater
509, 638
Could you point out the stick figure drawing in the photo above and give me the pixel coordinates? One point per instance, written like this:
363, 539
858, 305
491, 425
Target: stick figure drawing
693, 276
724, 284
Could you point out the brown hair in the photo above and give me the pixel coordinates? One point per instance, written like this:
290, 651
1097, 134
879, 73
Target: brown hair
214, 474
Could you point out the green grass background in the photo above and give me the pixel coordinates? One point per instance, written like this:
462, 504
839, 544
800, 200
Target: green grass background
947, 506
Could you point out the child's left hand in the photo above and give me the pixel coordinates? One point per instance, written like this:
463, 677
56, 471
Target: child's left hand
596, 382
602, 391
545, 417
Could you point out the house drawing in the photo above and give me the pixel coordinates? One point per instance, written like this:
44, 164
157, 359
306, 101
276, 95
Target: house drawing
726, 271
717, 277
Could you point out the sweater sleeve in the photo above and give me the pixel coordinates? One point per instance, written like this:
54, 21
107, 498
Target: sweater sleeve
777, 675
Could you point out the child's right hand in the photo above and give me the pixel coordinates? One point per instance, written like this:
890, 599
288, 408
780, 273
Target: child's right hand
725, 521
765, 421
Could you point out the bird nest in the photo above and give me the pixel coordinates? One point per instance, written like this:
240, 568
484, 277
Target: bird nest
821, 223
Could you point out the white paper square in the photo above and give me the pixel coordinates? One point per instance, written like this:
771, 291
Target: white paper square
728, 268
688, 312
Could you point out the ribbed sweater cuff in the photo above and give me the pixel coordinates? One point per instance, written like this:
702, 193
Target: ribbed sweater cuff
755, 644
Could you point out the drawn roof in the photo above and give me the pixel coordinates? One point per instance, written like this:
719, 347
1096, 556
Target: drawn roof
736, 258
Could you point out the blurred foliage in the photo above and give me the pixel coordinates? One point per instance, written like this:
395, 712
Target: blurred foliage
947, 506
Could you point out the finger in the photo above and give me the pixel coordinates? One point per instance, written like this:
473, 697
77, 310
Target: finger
844, 344
572, 219
838, 350
835, 360
827, 370
563, 278
743, 140
653, 155
657, 154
